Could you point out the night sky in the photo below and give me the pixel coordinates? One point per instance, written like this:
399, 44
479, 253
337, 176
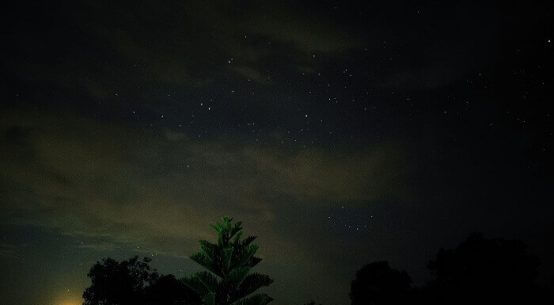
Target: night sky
340, 133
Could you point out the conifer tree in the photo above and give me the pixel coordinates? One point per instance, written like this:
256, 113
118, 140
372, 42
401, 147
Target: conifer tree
228, 280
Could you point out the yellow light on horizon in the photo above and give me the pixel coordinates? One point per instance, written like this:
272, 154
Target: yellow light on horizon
69, 302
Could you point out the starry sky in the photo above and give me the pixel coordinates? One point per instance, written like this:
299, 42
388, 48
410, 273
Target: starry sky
339, 132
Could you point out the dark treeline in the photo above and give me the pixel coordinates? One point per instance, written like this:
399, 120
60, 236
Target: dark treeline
478, 271
227, 280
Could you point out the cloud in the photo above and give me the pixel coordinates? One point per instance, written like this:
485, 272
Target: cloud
135, 186
251, 74
178, 44
8, 250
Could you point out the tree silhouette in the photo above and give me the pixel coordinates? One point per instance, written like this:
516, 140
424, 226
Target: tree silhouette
312, 302
133, 282
167, 290
480, 270
377, 283
229, 261
119, 283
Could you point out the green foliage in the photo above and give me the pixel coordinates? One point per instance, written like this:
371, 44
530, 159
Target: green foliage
228, 280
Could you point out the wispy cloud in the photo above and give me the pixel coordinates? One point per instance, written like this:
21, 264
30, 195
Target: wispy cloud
161, 190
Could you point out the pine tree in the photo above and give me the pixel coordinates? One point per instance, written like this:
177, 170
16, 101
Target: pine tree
228, 280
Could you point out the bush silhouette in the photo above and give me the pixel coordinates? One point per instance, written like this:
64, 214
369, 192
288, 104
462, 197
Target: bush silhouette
229, 261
